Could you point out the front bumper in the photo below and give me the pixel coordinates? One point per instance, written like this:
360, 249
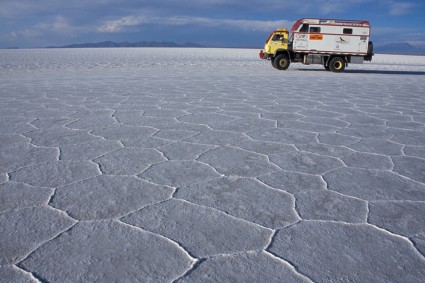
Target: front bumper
264, 55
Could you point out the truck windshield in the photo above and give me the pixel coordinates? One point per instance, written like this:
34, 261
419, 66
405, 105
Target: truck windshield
279, 37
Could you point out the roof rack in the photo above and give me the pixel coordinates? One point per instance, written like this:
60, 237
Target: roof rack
335, 21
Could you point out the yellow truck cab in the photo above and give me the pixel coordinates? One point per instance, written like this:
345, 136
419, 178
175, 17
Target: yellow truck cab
332, 43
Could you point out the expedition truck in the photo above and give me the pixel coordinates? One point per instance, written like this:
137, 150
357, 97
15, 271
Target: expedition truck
332, 43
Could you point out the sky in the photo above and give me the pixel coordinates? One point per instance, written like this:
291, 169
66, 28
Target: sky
218, 23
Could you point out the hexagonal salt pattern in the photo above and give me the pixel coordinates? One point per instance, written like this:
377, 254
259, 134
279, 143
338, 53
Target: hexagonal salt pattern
361, 250
19, 195
328, 205
403, 218
244, 198
128, 161
245, 267
234, 161
26, 229
198, 165
55, 174
108, 251
107, 197
374, 185
203, 231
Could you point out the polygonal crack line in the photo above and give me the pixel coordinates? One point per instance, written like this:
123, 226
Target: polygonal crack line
31, 123
118, 218
289, 264
404, 238
122, 123
402, 176
37, 276
385, 231
198, 124
115, 118
252, 152
296, 208
167, 158
28, 140
416, 157
106, 153
98, 166
271, 120
212, 167
237, 254
194, 266
191, 257
293, 198
7, 178
367, 212
17, 209
31, 275
324, 155
403, 148
416, 248
53, 195
284, 261
328, 188
392, 201
73, 120
307, 131
220, 211
345, 135
226, 213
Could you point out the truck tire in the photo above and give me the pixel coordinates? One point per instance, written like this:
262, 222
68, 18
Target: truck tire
337, 64
281, 62
272, 61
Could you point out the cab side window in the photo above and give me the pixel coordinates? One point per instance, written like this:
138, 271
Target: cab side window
277, 37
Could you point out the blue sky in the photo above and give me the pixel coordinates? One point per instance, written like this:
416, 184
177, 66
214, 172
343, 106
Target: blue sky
232, 23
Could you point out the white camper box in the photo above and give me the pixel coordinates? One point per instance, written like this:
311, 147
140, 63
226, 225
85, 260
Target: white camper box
320, 36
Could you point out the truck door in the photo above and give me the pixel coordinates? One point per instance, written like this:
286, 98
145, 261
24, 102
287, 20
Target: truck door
301, 38
363, 44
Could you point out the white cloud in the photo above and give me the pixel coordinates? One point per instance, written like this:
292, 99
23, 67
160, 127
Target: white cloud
129, 21
60, 25
401, 8
118, 25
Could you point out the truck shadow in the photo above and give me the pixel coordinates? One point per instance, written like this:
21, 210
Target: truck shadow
380, 72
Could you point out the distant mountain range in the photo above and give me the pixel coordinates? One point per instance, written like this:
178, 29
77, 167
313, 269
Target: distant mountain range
107, 44
400, 48
393, 48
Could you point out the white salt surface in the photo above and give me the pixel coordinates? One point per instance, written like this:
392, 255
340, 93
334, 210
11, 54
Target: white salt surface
208, 165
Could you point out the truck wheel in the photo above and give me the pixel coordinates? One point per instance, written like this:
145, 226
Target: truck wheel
337, 65
272, 61
281, 62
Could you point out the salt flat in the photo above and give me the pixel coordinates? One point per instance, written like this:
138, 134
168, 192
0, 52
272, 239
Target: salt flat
208, 165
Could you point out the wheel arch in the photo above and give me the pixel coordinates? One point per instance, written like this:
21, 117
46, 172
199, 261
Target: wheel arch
328, 58
282, 51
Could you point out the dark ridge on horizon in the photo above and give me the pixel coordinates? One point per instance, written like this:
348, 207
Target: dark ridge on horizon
112, 44
392, 48
400, 49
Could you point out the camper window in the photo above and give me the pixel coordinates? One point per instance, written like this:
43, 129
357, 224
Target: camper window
304, 28
347, 31
314, 29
